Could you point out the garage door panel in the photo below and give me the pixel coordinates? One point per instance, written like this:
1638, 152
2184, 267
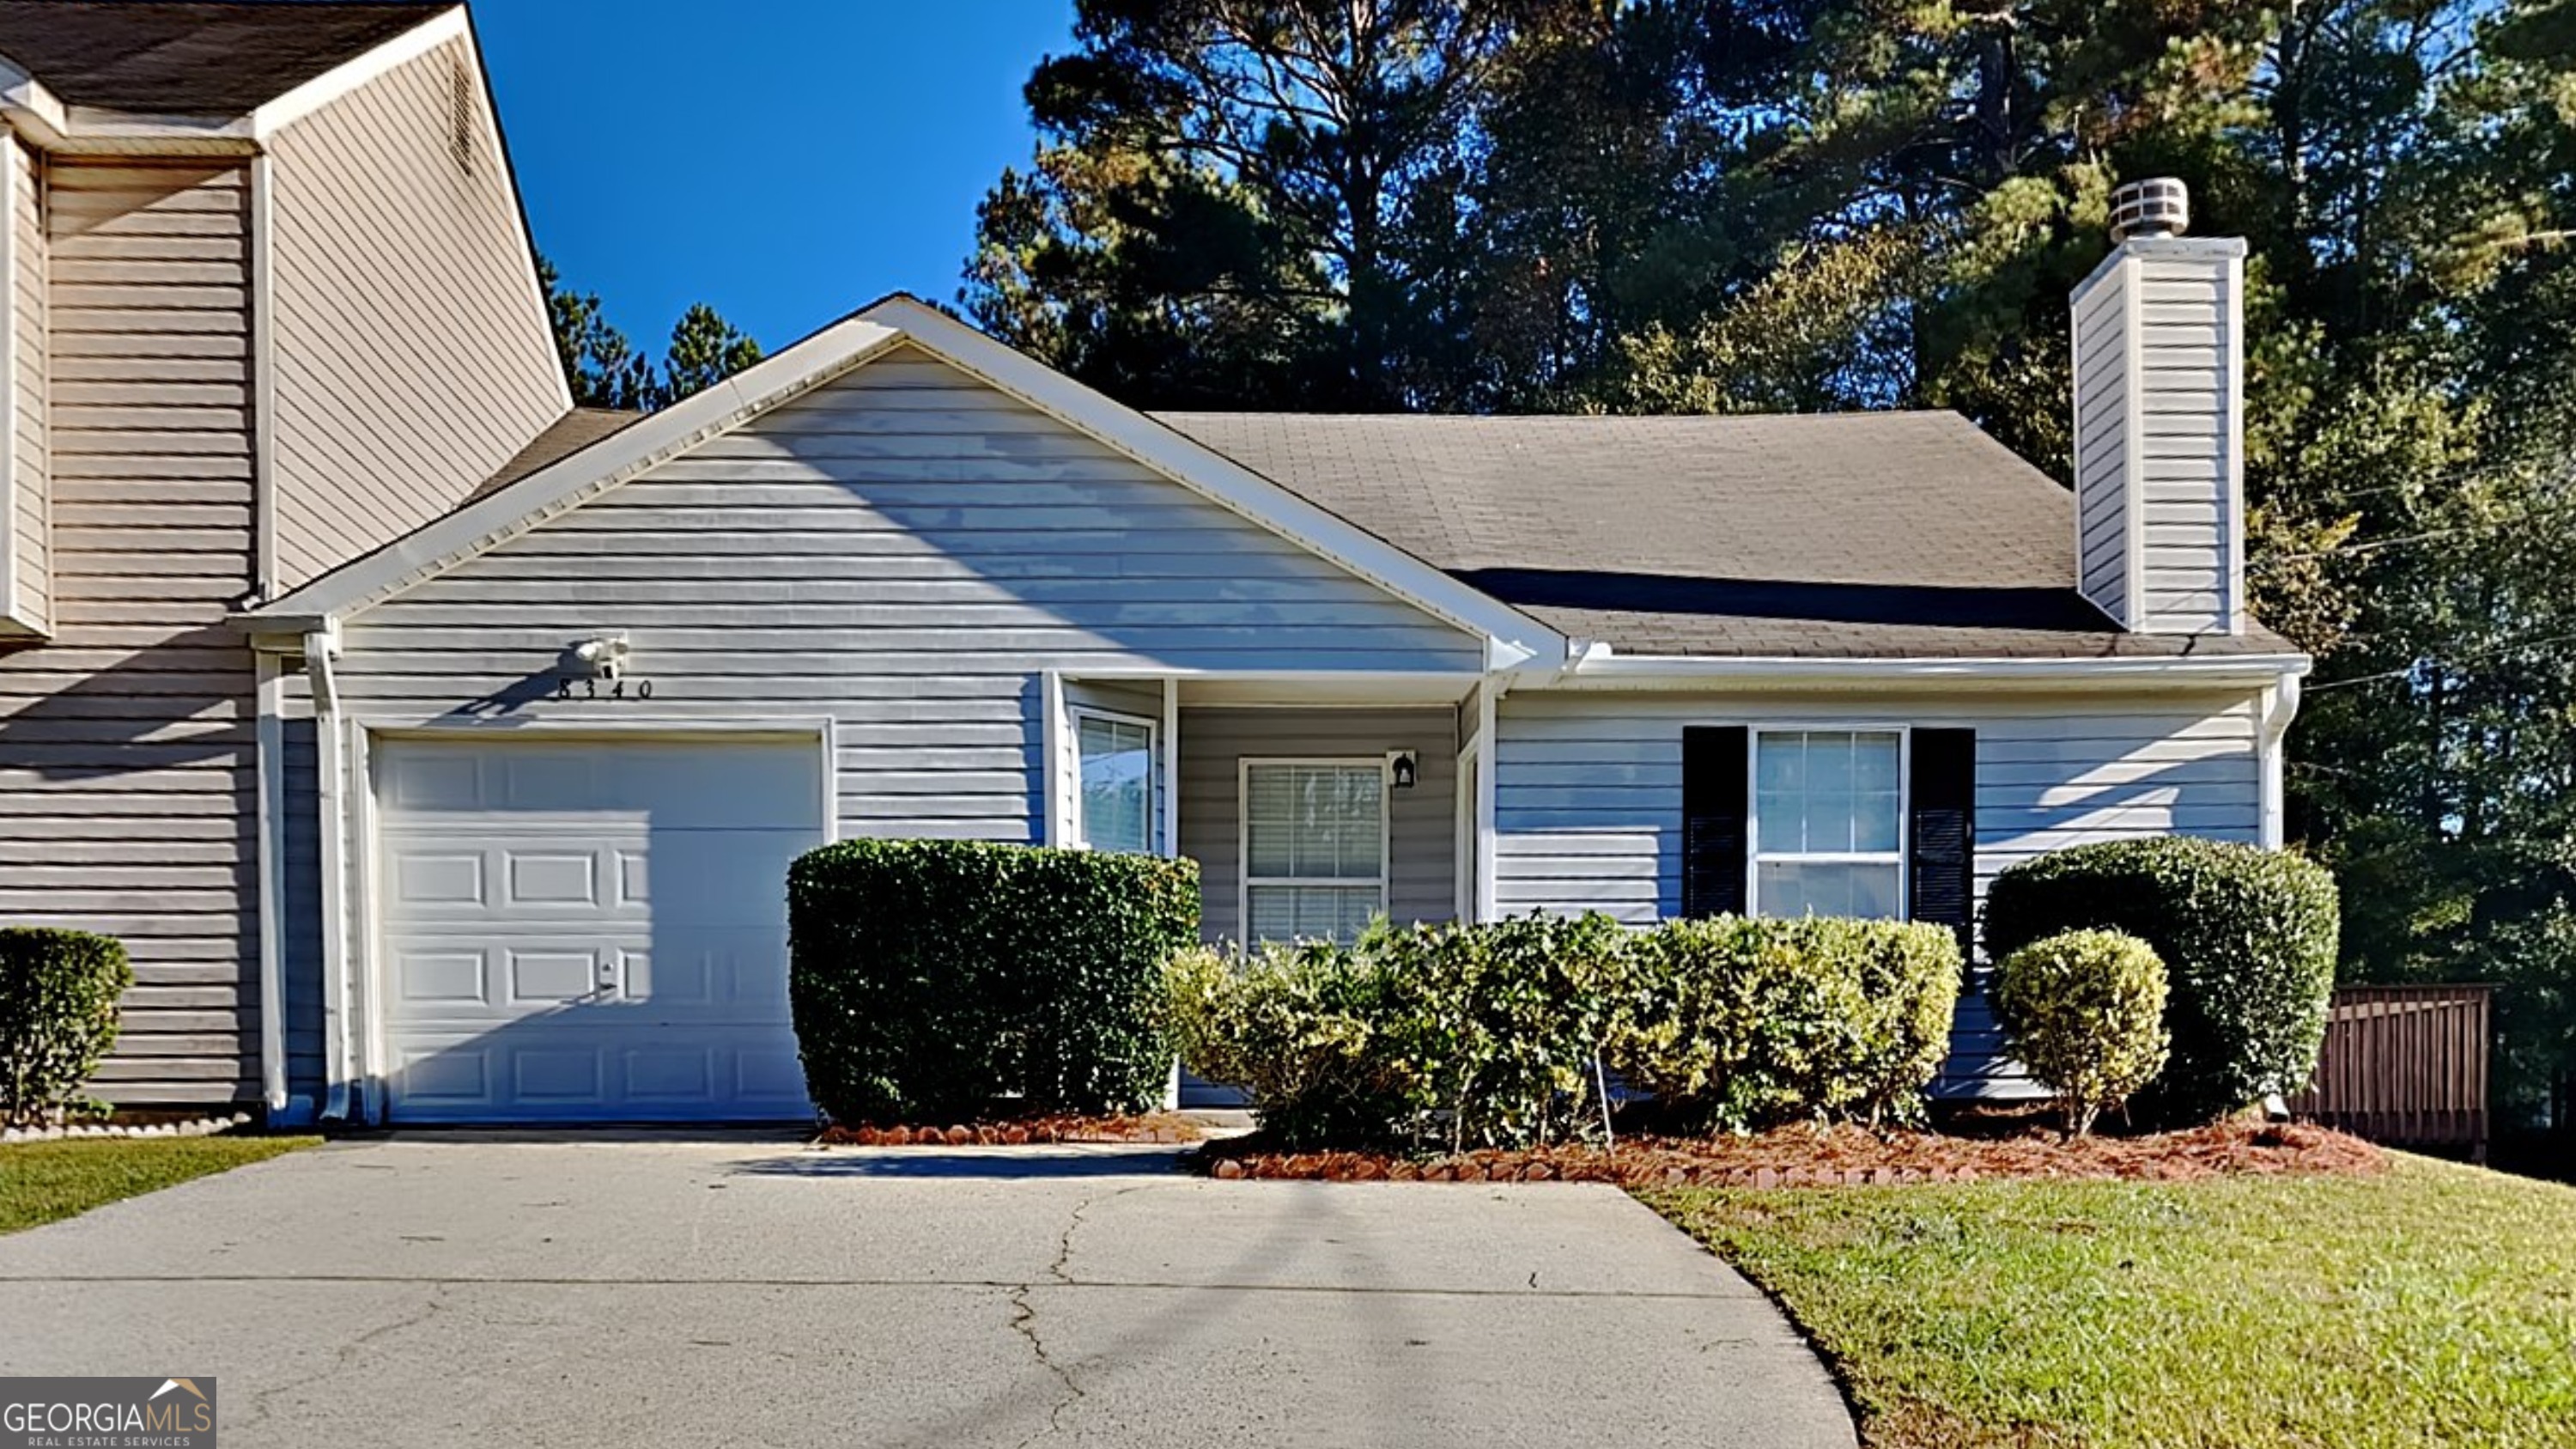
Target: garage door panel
591, 936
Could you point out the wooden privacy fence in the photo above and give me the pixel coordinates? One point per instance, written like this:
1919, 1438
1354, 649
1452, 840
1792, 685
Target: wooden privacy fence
2405, 1066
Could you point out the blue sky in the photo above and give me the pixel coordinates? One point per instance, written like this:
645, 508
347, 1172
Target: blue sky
785, 160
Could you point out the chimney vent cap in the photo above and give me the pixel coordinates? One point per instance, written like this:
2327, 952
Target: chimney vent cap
2156, 206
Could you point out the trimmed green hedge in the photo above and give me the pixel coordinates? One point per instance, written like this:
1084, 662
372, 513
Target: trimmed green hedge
58, 1017
930, 980
1744, 1022
2085, 1011
2248, 939
1503, 1034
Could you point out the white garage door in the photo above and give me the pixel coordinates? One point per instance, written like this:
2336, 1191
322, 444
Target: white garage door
591, 930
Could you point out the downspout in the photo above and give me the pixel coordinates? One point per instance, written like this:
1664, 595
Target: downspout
319, 647
2280, 705
272, 884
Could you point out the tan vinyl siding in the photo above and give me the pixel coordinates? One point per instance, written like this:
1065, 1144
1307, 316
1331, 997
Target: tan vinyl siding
28, 497
1588, 792
1422, 823
413, 357
126, 755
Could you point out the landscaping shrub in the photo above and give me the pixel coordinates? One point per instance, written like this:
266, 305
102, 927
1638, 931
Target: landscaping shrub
1300, 1028
2085, 1012
1499, 1028
929, 978
2247, 937
58, 1017
1741, 1022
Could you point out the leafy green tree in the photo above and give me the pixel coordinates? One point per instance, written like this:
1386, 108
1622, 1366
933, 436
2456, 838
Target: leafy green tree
603, 368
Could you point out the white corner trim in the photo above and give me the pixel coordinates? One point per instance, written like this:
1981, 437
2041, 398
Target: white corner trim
1055, 829
2232, 357
263, 378
10, 482
1512, 638
1489, 759
330, 742
285, 110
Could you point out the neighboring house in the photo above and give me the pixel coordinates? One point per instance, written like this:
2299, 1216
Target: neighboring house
901, 580
488, 822
268, 303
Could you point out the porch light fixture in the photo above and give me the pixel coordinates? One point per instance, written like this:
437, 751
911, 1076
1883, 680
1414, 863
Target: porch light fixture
603, 657
1401, 767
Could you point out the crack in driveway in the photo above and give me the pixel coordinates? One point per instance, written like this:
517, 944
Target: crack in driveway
1024, 1314
345, 1357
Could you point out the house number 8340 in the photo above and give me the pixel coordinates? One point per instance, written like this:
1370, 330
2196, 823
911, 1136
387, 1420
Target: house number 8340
570, 688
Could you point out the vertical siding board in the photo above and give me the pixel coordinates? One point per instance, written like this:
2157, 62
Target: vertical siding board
412, 359
126, 741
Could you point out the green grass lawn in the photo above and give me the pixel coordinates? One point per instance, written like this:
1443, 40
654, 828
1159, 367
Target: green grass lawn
44, 1181
2431, 1305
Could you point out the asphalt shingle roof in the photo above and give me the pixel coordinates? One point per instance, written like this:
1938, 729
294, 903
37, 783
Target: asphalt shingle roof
148, 56
560, 439
1872, 535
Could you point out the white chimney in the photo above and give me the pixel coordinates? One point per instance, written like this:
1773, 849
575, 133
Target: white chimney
2160, 421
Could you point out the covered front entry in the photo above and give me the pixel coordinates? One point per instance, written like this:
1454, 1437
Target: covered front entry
590, 929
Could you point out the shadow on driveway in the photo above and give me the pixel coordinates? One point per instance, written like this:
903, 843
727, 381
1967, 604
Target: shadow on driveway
997, 1164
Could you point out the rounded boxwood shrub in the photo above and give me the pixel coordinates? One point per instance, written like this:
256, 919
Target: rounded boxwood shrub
2247, 937
931, 980
1739, 1023
58, 1016
2085, 1011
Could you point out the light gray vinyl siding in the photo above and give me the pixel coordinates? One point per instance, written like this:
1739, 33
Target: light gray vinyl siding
126, 752
2187, 456
28, 498
1588, 793
2158, 364
413, 356
2102, 435
1421, 822
903, 551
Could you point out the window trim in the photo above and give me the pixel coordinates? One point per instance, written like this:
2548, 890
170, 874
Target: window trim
1243, 876
1755, 855
1075, 714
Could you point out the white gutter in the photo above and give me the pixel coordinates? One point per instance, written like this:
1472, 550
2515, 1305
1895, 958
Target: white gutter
271, 783
2280, 706
1604, 667
319, 648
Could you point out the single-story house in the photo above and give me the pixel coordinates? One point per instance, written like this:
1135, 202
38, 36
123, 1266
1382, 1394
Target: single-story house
548, 755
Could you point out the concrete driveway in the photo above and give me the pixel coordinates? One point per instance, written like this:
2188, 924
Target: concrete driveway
476, 1289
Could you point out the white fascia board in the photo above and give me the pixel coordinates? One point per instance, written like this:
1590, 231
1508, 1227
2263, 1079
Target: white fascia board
332, 84
488, 522
1685, 672
1514, 638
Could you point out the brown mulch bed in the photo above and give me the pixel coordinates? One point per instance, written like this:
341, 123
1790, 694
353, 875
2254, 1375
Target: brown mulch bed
1840, 1156
1150, 1127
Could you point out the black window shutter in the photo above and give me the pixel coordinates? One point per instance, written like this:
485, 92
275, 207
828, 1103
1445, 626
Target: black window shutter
1943, 868
1714, 778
